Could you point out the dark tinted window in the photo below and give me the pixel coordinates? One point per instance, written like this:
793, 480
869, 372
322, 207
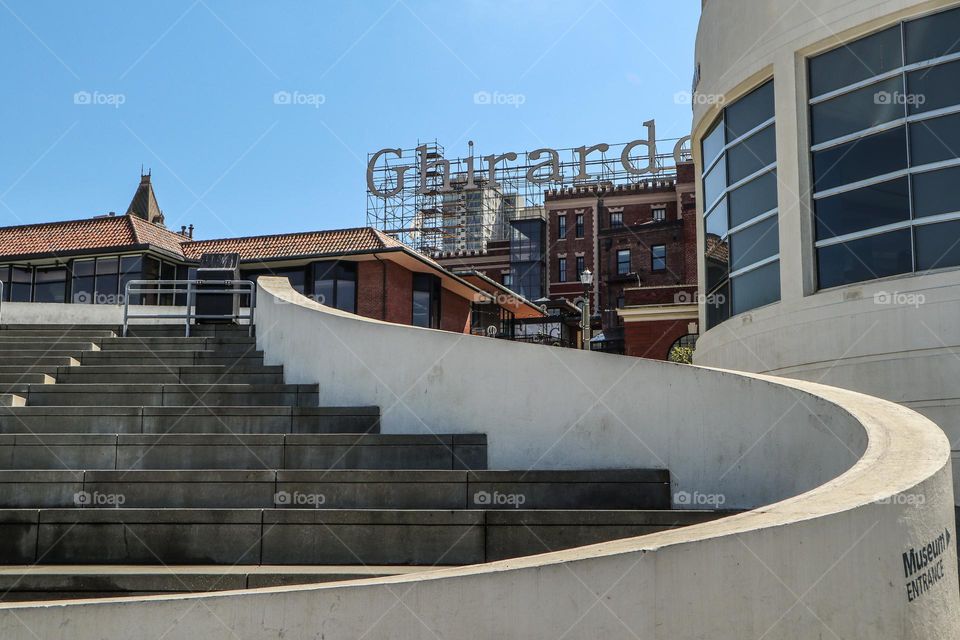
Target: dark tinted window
5, 279
857, 110
934, 88
718, 306
756, 288
933, 36
21, 284
753, 198
426, 300
860, 209
936, 192
856, 61
754, 243
717, 261
860, 159
130, 268
751, 155
749, 111
935, 140
864, 259
51, 285
938, 245
108, 270
81, 288
623, 262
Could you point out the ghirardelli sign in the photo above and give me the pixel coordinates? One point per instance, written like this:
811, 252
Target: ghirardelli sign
637, 158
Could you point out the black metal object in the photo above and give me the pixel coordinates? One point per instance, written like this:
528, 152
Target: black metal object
217, 266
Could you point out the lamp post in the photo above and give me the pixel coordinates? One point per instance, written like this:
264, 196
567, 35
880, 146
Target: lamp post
587, 279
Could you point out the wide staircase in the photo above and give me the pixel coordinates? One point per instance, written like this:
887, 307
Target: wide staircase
156, 463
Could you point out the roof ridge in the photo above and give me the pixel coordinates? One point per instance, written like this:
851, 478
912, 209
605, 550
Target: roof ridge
283, 235
71, 221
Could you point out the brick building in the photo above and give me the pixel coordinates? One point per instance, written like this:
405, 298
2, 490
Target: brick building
639, 241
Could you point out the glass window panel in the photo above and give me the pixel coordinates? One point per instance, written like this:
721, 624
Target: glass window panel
715, 182
756, 197
934, 87
935, 140
754, 243
151, 271
21, 284
716, 222
130, 267
755, 288
749, 111
718, 306
856, 61
869, 258
107, 280
857, 110
81, 288
936, 192
658, 257
167, 272
751, 155
623, 262
867, 157
50, 285
933, 36
716, 258
865, 208
421, 308
5, 279
713, 144
347, 295
938, 245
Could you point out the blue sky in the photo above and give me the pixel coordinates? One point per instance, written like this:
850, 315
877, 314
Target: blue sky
186, 87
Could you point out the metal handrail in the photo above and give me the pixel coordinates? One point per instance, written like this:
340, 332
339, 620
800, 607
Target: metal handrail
157, 287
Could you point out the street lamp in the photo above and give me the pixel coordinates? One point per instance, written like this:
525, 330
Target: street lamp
587, 279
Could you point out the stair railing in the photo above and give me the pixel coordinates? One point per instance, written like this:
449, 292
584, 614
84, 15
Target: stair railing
189, 289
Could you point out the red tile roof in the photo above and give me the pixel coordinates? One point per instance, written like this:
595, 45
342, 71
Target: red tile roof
92, 233
130, 231
291, 245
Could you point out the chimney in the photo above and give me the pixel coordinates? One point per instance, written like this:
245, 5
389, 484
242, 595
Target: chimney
191, 232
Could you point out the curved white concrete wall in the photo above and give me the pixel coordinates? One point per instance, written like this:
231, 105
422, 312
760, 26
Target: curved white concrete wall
897, 338
820, 564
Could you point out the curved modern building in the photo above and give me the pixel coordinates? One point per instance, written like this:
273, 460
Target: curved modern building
827, 147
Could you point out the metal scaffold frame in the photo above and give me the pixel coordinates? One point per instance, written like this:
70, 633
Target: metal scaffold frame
470, 214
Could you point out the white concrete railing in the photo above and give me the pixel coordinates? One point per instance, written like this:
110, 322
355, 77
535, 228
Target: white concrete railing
843, 485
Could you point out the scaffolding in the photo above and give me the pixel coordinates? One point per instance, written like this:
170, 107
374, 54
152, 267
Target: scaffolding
473, 211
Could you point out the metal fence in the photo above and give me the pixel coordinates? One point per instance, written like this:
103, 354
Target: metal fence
188, 290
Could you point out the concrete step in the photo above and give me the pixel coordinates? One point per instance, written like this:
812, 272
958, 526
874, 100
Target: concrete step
173, 395
12, 400
49, 369
61, 582
177, 330
223, 345
40, 364
200, 419
335, 489
241, 452
312, 536
160, 374
71, 333
7, 379
14, 347
171, 358
58, 327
